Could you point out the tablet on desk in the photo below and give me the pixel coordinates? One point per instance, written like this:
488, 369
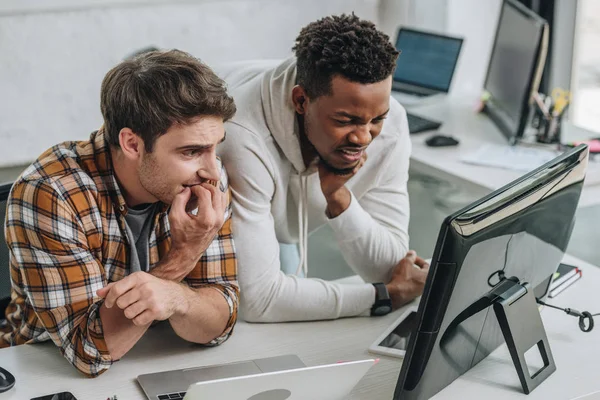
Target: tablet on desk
394, 341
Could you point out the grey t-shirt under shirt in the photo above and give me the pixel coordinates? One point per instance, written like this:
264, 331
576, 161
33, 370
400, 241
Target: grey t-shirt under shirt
138, 224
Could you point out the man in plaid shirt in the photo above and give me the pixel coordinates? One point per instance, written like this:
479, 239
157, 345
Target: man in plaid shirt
133, 226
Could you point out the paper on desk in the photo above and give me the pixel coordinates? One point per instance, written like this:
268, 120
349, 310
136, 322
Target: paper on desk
516, 158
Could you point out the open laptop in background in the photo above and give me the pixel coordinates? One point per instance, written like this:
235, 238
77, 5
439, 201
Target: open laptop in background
274, 378
425, 68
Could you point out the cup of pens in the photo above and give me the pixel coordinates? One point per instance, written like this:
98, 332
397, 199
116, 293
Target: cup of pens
548, 115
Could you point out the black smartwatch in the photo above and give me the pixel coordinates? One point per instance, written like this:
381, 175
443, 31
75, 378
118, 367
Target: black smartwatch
383, 303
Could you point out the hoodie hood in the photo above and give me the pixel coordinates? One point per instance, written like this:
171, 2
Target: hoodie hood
276, 91
280, 117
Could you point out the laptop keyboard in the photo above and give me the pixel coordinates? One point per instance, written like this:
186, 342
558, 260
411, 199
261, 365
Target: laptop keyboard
171, 396
419, 124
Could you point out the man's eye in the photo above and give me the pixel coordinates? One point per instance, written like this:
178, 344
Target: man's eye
191, 153
342, 122
378, 120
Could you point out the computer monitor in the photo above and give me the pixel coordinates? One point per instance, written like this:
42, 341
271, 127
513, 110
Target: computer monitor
519, 232
427, 63
4, 266
515, 68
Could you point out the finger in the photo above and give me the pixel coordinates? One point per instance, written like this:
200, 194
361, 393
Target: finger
411, 255
102, 292
121, 287
421, 275
145, 318
135, 309
180, 202
421, 263
216, 202
192, 204
215, 196
225, 200
128, 298
204, 198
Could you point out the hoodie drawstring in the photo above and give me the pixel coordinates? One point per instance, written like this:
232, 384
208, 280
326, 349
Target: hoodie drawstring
303, 226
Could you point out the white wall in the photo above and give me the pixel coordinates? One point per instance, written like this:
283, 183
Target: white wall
55, 54
476, 21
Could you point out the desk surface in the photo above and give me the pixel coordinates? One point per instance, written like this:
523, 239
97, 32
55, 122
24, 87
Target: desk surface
473, 130
40, 369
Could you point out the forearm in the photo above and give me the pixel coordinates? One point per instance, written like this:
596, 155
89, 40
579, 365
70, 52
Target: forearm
369, 245
175, 265
120, 333
203, 315
300, 299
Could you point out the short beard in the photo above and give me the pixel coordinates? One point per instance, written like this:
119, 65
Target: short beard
334, 170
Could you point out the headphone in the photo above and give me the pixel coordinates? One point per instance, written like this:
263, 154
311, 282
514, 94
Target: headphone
586, 319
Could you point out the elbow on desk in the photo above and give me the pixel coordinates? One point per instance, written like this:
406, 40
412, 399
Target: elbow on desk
253, 314
87, 358
259, 304
89, 367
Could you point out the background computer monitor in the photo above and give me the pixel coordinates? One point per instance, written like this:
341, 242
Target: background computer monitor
427, 61
515, 67
522, 229
4, 267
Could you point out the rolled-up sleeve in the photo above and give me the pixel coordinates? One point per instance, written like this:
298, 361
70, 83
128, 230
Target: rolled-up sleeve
58, 275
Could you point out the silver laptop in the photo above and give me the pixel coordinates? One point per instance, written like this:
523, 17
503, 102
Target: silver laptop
174, 384
427, 62
322, 382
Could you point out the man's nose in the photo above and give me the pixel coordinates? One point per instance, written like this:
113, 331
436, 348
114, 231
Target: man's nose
211, 170
362, 135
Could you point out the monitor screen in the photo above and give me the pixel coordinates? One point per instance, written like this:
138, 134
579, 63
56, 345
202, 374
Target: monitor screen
522, 230
428, 60
512, 67
4, 266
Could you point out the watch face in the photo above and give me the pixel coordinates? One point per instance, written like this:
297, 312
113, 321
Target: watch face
382, 310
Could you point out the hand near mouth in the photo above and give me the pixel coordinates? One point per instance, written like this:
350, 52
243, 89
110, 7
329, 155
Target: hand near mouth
333, 187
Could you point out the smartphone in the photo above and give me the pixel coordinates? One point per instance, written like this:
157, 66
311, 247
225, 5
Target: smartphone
57, 396
394, 341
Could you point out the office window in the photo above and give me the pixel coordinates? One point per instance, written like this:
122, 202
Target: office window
586, 66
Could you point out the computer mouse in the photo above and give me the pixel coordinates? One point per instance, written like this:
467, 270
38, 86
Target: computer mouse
7, 380
441, 141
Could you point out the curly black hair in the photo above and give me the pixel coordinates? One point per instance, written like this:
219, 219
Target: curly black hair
342, 45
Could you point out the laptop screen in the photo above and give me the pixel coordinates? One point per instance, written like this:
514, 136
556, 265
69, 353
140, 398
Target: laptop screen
428, 60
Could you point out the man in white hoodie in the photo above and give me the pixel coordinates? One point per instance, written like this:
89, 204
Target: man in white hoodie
296, 154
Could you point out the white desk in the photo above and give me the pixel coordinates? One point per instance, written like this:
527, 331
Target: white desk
40, 369
473, 130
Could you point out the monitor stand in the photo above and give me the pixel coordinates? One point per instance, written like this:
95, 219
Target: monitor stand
517, 312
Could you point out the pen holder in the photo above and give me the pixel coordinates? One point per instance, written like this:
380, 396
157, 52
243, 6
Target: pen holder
549, 129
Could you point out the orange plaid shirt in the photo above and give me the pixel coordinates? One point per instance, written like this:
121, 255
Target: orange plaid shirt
65, 229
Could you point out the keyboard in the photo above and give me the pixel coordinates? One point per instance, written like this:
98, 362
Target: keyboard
418, 124
172, 396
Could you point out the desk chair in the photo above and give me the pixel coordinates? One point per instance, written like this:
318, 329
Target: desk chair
4, 265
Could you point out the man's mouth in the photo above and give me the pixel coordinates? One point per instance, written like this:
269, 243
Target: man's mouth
350, 154
209, 181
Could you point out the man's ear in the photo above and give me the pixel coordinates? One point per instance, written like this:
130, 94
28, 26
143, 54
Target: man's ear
300, 99
131, 144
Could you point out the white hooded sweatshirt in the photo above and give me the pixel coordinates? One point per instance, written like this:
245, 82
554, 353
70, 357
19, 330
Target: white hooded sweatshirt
276, 199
